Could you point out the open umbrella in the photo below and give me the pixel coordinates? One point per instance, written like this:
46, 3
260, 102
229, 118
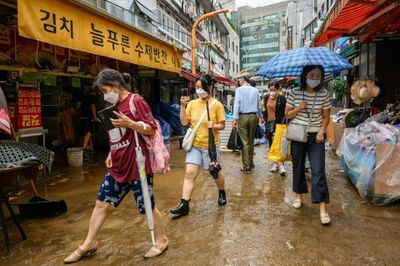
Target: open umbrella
291, 62
140, 160
214, 167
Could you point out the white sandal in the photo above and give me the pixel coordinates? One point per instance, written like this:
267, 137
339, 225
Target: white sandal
325, 219
156, 250
297, 204
79, 254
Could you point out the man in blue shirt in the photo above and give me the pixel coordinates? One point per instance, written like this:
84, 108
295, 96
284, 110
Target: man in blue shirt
247, 113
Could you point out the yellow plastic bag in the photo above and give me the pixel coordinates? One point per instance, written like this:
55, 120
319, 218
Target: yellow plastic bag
280, 150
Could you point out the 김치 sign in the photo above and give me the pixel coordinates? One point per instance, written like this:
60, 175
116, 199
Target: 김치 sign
66, 24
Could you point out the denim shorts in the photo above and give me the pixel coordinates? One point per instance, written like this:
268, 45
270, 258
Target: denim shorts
200, 156
113, 192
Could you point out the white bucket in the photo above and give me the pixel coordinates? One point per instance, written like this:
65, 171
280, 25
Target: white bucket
75, 156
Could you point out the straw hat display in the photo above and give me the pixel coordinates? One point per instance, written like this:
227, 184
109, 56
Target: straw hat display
364, 90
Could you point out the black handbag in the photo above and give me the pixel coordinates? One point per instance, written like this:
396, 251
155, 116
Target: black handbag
259, 133
234, 142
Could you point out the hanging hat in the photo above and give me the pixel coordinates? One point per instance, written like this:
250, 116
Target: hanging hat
372, 88
363, 91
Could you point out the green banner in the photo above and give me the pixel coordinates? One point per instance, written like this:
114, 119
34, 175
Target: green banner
50, 80
75, 82
29, 78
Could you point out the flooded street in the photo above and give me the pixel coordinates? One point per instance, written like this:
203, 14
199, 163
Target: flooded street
257, 226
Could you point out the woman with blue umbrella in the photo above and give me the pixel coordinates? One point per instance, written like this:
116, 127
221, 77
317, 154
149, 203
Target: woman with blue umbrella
309, 106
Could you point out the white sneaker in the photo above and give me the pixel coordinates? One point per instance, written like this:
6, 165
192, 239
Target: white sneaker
325, 219
282, 170
274, 167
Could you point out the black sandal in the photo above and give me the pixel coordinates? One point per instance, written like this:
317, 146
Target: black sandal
246, 170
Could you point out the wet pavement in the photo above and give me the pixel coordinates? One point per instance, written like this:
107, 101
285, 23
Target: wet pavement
257, 226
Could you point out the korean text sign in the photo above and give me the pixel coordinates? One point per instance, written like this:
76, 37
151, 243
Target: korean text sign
66, 24
29, 108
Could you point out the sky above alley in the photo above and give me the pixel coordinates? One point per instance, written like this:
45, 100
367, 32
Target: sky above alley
255, 3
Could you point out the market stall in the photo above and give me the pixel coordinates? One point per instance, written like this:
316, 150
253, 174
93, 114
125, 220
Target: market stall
370, 143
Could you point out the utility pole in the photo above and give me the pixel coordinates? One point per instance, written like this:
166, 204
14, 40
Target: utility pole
194, 29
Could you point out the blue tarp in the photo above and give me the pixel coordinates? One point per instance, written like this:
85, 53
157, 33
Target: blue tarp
168, 115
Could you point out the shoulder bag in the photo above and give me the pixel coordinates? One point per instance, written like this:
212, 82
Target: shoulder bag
187, 142
298, 132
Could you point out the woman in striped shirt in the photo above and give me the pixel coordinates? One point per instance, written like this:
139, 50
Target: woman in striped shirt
299, 107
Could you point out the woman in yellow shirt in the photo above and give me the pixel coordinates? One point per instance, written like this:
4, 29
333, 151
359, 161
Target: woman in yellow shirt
190, 113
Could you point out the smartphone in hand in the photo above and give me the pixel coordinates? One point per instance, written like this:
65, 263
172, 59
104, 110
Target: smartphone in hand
105, 115
185, 92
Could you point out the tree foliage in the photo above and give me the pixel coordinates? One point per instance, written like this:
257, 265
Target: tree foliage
339, 86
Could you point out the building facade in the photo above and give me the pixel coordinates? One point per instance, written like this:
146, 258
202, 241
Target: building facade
304, 18
172, 20
137, 13
263, 33
175, 20
233, 47
233, 52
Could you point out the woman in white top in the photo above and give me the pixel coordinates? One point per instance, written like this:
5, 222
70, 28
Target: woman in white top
299, 107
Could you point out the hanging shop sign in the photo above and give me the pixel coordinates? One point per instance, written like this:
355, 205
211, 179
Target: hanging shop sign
29, 108
68, 25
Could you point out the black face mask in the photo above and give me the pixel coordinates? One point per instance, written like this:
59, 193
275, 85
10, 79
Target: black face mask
238, 83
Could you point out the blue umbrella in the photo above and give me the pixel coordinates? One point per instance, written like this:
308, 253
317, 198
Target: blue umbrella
291, 62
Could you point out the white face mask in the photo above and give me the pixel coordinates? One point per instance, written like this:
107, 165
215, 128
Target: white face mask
273, 93
313, 83
201, 93
111, 97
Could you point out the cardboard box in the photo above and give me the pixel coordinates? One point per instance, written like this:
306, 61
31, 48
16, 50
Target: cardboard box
338, 130
387, 174
330, 131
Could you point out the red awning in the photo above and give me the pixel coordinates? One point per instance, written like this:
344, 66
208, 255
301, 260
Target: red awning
363, 18
225, 81
189, 76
